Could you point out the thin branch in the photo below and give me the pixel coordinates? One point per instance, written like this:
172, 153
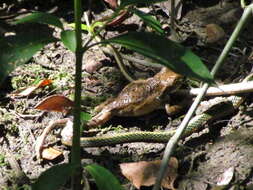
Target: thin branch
228, 89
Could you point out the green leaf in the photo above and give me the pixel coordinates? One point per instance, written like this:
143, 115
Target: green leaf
165, 52
54, 177
149, 20
17, 50
135, 2
85, 117
43, 18
104, 179
69, 40
83, 26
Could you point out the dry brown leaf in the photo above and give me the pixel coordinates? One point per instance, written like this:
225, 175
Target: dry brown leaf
144, 173
92, 66
50, 153
214, 33
57, 103
119, 19
113, 3
29, 90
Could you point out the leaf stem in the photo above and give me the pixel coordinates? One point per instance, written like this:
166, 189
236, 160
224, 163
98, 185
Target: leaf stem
112, 50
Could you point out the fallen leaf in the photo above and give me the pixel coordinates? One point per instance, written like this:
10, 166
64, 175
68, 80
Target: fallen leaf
25, 92
56, 103
214, 33
92, 66
226, 177
50, 153
144, 173
113, 3
123, 15
45, 82
29, 90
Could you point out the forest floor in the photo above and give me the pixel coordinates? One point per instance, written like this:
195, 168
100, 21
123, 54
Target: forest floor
203, 157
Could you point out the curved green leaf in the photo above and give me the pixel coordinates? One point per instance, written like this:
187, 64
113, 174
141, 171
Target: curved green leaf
104, 179
135, 2
17, 50
54, 177
43, 18
165, 52
149, 20
69, 40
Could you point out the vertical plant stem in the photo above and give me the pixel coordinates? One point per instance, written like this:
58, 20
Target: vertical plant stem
173, 141
75, 150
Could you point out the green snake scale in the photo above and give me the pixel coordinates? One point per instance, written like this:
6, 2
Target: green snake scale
216, 111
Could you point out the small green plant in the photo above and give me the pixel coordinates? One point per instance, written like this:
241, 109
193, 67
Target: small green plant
2, 160
54, 177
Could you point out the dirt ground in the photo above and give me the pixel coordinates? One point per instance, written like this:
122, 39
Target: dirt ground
203, 157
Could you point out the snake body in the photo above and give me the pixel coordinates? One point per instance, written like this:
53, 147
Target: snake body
224, 107
219, 108
216, 111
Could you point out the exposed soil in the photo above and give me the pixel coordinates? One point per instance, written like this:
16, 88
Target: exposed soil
203, 157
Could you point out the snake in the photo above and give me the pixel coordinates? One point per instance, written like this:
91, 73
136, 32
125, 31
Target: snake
218, 109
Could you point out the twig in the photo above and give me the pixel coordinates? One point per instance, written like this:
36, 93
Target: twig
229, 89
41, 139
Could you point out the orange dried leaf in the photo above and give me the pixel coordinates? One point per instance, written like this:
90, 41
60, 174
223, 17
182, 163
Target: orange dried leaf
57, 103
45, 82
144, 173
29, 90
50, 153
